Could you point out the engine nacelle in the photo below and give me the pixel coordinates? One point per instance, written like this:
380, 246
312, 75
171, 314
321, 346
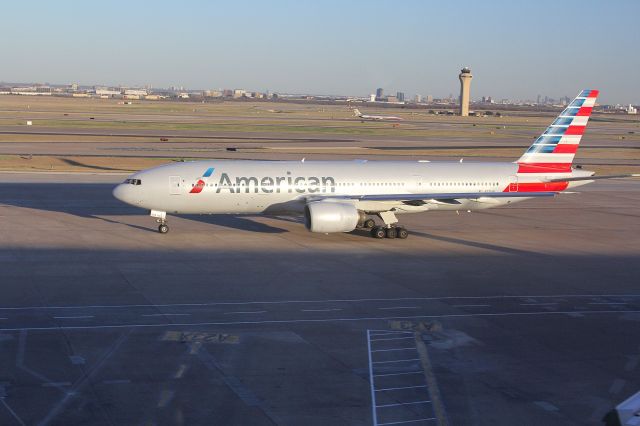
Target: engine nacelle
329, 216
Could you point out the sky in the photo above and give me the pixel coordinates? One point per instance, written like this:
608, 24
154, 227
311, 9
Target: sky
515, 49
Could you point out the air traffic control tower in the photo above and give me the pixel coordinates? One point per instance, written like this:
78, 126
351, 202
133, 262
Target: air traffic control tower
465, 91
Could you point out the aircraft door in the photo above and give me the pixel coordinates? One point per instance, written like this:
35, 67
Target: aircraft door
175, 185
513, 184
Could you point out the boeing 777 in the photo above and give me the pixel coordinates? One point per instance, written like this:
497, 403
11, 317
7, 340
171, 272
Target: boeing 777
362, 116
340, 196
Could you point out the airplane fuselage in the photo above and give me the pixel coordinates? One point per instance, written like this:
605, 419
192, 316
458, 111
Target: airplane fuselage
282, 187
379, 118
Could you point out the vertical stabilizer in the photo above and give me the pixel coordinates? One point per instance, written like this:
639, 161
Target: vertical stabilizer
554, 150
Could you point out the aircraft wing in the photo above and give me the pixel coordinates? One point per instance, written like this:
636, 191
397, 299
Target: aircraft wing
576, 179
443, 197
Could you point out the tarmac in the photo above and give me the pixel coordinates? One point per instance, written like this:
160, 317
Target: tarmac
526, 315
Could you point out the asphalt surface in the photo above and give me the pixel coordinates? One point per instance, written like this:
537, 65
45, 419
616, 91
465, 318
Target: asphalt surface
523, 315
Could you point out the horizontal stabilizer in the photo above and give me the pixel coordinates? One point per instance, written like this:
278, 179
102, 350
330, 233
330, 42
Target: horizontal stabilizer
583, 178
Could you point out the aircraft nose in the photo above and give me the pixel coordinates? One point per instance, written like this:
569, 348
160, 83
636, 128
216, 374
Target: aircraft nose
122, 193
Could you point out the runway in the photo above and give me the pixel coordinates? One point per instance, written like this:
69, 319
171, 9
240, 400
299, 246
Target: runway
526, 312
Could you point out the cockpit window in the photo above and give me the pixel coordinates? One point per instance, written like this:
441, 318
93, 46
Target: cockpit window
133, 181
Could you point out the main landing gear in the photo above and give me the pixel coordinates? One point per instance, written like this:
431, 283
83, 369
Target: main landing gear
389, 230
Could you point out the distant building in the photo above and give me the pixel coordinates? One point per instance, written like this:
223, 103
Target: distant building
107, 92
135, 92
417, 99
429, 98
392, 99
31, 91
372, 97
465, 90
379, 93
631, 109
400, 96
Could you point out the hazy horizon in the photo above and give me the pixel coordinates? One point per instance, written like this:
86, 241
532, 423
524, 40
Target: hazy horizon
515, 51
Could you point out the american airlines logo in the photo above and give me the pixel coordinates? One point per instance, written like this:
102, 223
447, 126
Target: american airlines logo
199, 186
267, 184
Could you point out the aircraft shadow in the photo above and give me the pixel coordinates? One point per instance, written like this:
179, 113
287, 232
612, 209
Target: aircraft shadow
94, 200
232, 221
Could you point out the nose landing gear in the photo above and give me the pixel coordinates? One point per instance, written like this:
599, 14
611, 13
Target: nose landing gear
163, 228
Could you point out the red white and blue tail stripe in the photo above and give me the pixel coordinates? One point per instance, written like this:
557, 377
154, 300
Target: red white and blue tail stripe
554, 150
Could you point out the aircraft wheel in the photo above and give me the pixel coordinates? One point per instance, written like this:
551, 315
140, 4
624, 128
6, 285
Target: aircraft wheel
390, 233
378, 232
401, 233
163, 228
369, 224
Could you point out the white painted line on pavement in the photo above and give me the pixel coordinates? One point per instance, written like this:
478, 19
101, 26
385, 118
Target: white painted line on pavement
321, 310
397, 360
392, 350
317, 301
310, 320
539, 304
471, 306
401, 388
401, 307
398, 374
374, 415
426, 401
164, 315
402, 422
393, 338
75, 317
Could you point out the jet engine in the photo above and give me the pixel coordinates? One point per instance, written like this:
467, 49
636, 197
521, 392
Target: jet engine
325, 217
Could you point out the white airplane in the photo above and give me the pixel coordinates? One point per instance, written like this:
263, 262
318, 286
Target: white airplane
362, 116
340, 196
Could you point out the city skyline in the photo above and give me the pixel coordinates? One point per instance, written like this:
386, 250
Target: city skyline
398, 97
331, 48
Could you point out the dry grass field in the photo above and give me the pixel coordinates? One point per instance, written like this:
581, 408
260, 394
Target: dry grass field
105, 135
